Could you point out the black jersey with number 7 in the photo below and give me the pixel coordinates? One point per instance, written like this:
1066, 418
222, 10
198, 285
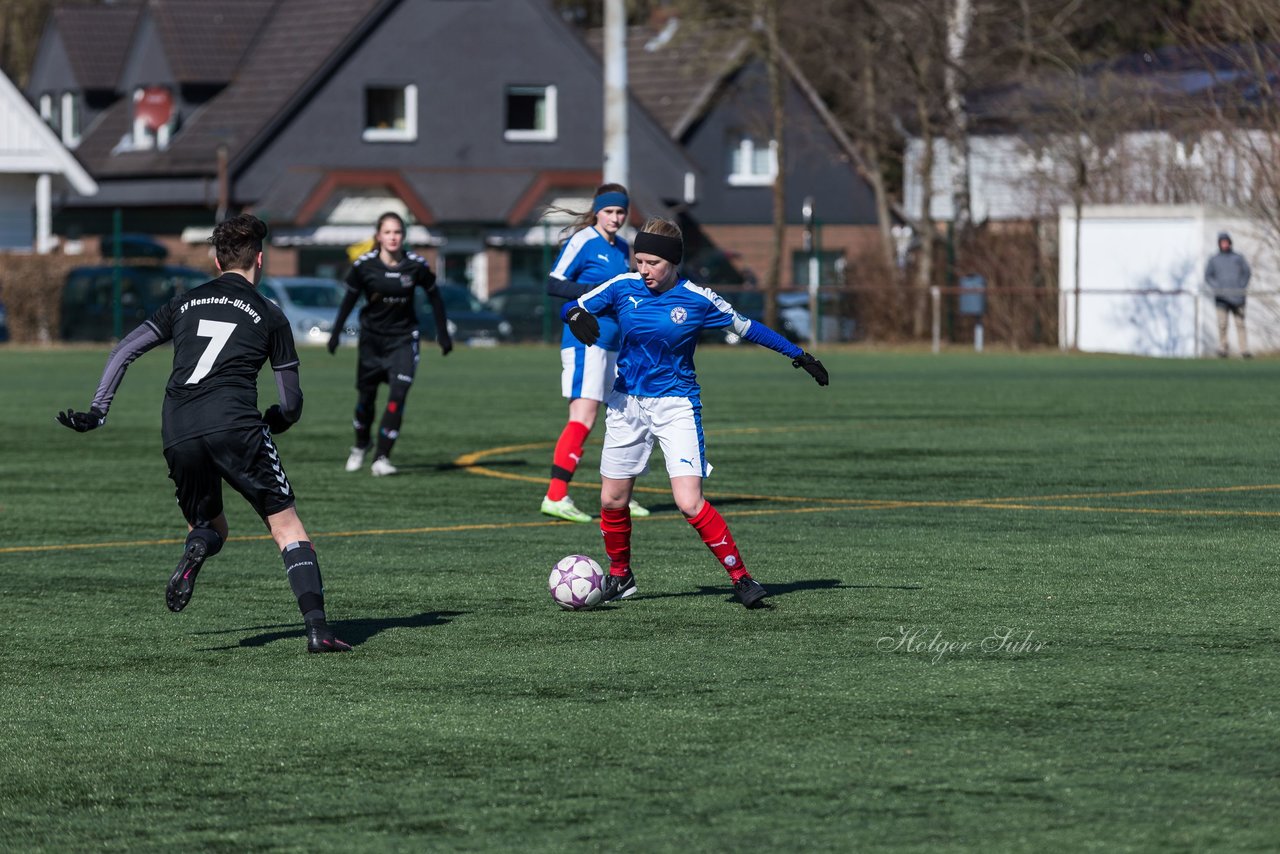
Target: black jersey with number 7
223, 332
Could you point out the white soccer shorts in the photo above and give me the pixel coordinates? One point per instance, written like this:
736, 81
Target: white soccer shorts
587, 372
633, 423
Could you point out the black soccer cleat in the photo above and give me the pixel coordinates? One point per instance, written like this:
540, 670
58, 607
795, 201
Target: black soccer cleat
320, 638
749, 592
183, 581
618, 587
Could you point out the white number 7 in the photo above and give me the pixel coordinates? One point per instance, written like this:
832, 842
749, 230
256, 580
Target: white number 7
218, 332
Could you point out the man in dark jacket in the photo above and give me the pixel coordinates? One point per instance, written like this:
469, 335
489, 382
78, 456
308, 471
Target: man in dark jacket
1227, 275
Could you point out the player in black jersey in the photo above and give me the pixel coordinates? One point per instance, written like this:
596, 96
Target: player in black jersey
222, 333
386, 278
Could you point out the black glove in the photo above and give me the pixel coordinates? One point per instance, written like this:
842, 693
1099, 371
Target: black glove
334, 340
446, 344
583, 325
275, 420
82, 422
813, 366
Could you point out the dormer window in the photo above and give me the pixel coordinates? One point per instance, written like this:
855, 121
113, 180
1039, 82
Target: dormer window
753, 162
153, 118
70, 112
390, 113
62, 114
531, 114
49, 111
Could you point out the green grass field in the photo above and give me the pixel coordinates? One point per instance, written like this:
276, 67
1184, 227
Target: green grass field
1021, 603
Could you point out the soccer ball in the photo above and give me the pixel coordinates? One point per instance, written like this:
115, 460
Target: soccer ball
576, 583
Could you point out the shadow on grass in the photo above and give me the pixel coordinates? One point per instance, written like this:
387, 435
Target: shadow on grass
354, 632
405, 468
777, 590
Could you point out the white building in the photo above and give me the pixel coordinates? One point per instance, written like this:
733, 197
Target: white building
1141, 280
33, 165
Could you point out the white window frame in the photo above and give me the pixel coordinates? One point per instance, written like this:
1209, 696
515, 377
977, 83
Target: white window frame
746, 152
70, 129
550, 102
408, 133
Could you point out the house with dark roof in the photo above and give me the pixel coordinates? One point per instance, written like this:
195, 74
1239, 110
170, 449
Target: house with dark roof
33, 163
709, 89
77, 65
471, 119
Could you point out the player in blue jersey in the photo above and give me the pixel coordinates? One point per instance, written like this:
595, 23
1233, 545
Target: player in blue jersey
593, 254
657, 397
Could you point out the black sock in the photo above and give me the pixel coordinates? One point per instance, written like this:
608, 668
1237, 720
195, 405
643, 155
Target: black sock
212, 539
303, 570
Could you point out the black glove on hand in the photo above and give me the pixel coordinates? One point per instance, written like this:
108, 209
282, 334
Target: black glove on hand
275, 420
583, 325
334, 340
82, 422
446, 344
813, 366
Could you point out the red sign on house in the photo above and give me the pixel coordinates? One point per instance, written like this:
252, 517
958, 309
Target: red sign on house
154, 106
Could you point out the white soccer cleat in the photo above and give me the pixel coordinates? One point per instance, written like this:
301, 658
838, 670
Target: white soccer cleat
356, 459
636, 510
382, 467
564, 509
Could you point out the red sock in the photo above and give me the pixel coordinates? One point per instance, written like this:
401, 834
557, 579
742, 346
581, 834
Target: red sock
711, 526
616, 527
565, 461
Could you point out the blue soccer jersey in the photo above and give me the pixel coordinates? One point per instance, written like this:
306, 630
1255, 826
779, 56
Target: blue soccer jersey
589, 259
660, 332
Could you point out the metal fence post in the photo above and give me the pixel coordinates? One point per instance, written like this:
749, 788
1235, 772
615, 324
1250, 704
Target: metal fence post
935, 296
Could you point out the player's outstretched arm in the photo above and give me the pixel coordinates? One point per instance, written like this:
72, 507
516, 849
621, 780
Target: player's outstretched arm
82, 422
344, 311
281, 416
582, 323
566, 288
122, 355
442, 321
758, 333
813, 367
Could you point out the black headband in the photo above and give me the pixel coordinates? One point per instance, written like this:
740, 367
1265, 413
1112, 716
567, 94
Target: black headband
667, 248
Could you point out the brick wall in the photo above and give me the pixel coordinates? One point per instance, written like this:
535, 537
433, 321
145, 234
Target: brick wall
752, 244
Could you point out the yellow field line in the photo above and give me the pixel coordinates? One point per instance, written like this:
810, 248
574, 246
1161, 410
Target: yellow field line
1143, 492
379, 532
826, 505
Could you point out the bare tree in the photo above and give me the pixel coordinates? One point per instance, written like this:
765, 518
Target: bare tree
1239, 124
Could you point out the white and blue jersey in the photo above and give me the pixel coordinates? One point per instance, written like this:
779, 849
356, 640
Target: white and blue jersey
589, 259
660, 331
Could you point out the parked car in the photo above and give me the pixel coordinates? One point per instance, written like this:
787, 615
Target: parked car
750, 304
527, 309
88, 306
470, 320
793, 317
311, 304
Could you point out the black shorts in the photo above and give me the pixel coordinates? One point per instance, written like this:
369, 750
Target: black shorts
386, 359
1231, 307
245, 457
